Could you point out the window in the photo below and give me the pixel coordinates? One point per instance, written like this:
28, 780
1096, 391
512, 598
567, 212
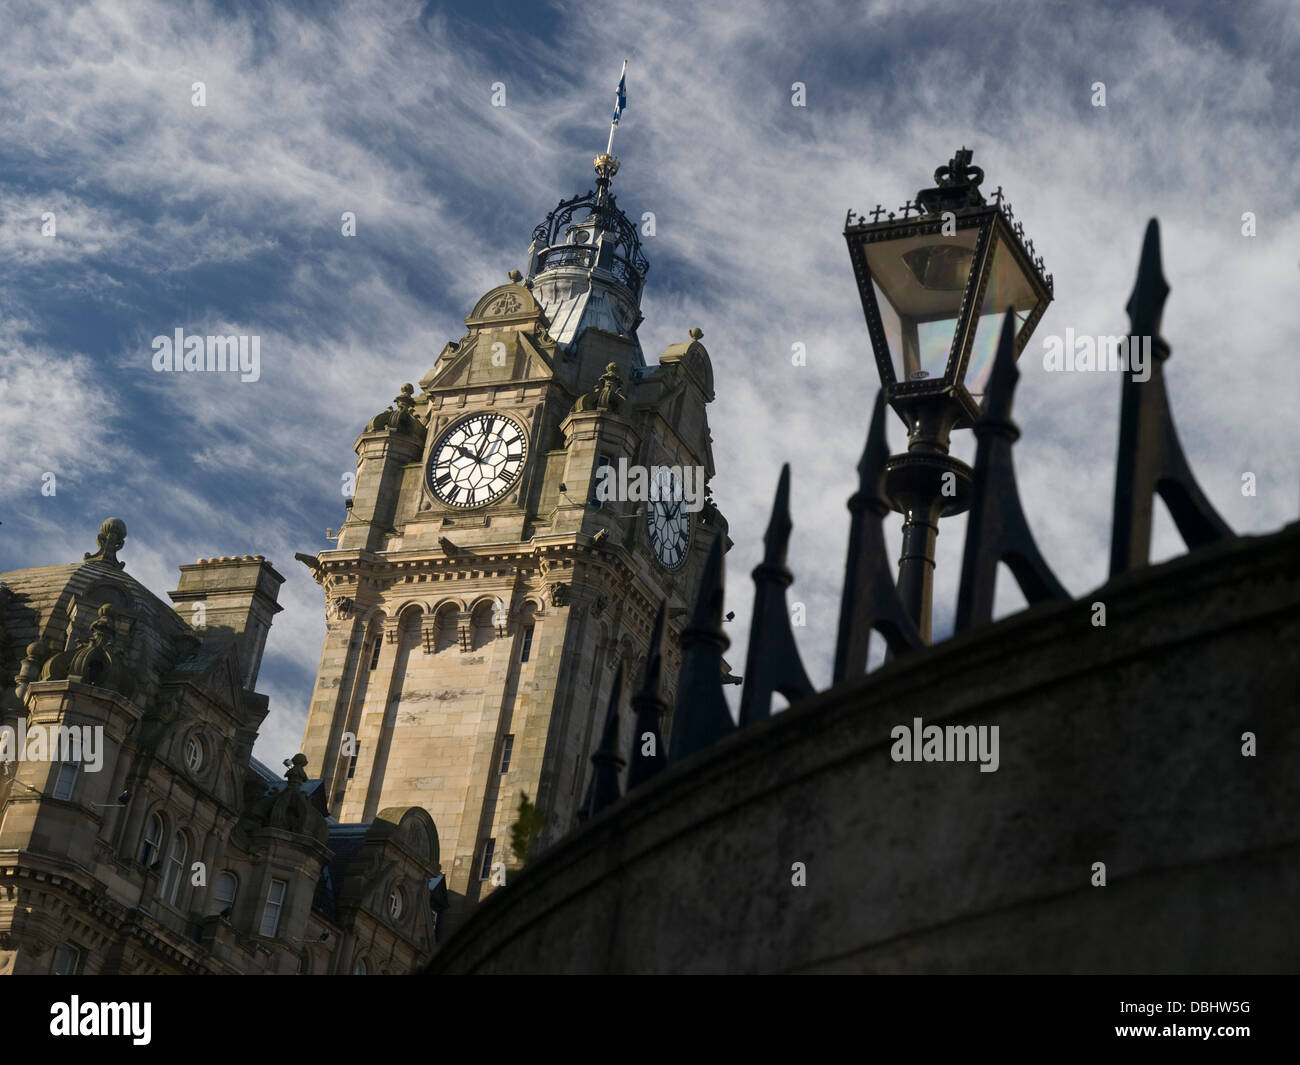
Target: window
507, 749
171, 885
66, 780
153, 830
374, 651
352, 764
67, 960
274, 903
359, 968
489, 845
528, 644
224, 891
395, 903
304, 964
193, 754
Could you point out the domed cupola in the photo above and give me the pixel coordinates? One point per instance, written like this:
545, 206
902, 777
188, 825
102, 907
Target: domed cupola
585, 264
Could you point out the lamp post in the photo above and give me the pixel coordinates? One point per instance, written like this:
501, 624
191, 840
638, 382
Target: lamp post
935, 284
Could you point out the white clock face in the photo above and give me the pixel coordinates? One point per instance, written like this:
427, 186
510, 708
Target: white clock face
667, 519
477, 460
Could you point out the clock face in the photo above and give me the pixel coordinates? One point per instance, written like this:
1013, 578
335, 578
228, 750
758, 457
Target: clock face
667, 519
477, 460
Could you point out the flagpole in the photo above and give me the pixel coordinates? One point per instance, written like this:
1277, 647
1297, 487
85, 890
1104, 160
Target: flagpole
609, 146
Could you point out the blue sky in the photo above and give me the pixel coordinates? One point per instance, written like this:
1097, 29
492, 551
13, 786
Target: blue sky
225, 219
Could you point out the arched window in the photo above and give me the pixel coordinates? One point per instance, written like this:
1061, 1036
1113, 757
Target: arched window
175, 874
224, 891
153, 830
304, 964
359, 967
395, 903
275, 894
66, 781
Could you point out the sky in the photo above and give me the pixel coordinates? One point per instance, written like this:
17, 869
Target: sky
226, 218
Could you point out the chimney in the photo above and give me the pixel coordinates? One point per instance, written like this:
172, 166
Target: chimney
225, 598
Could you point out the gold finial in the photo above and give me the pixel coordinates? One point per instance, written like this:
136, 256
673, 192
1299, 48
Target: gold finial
606, 165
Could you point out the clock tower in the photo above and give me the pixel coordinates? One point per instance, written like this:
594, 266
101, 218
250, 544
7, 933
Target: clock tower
515, 524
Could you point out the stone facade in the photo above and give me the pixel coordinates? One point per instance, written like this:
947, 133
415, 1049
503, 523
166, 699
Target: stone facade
470, 651
168, 848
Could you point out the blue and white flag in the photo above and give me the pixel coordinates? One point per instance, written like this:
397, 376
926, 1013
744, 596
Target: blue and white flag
621, 99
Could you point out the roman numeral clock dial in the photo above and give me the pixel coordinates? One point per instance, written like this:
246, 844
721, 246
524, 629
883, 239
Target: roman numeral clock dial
477, 460
668, 522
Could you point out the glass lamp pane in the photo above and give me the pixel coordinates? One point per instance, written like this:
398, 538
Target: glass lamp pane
1007, 287
919, 282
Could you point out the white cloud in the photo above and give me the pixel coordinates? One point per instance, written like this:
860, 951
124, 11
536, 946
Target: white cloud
370, 108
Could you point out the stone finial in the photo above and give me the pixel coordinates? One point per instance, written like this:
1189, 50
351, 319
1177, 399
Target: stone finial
296, 775
400, 417
405, 401
697, 333
515, 276
608, 393
111, 537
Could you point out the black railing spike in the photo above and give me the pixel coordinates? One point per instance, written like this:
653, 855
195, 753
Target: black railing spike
649, 708
1151, 458
772, 663
606, 762
996, 530
701, 716
1146, 303
870, 597
776, 538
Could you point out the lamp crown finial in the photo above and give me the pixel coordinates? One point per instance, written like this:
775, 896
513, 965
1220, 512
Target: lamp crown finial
959, 171
956, 185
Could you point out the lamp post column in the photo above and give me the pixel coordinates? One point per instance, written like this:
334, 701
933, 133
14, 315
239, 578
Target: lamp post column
925, 484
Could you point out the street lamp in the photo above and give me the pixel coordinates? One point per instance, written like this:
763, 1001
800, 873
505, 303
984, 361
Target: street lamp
935, 284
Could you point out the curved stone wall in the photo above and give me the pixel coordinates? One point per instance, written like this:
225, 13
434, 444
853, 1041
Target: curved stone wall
1119, 744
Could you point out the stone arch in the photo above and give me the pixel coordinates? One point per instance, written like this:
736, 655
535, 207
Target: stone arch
115, 595
446, 624
410, 616
505, 303
482, 623
415, 829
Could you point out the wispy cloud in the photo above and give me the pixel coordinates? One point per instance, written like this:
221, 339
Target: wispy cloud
226, 218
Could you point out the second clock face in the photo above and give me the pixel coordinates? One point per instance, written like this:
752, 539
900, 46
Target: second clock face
477, 460
668, 521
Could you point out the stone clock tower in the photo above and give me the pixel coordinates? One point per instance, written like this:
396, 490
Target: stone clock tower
483, 591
